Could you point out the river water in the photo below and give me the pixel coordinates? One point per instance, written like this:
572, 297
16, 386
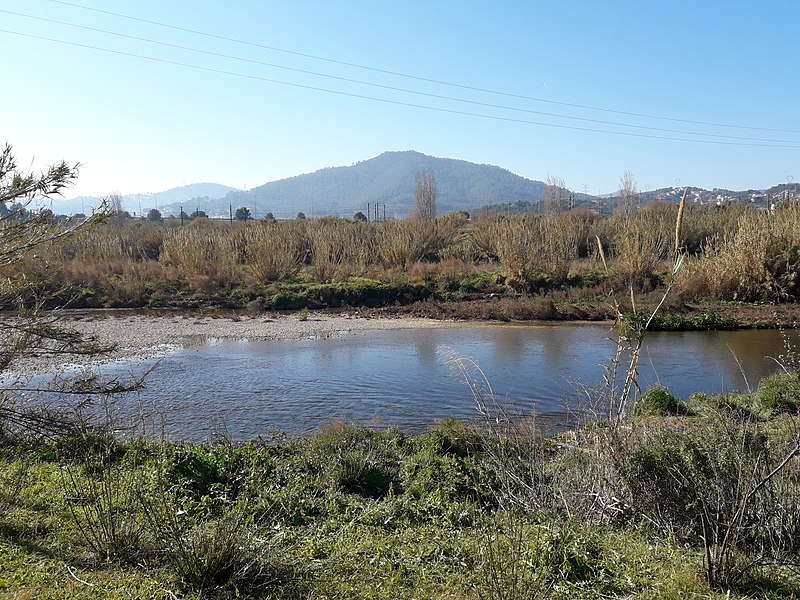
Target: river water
406, 378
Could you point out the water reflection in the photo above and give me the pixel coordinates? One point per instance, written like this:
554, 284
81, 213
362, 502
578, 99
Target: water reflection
509, 345
401, 377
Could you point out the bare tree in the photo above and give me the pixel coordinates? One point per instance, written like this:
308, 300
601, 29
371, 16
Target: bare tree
628, 194
555, 198
425, 196
114, 202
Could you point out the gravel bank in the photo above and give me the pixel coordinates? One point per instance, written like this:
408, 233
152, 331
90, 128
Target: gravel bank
151, 336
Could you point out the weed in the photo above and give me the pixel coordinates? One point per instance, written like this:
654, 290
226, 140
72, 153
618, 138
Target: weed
358, 472
100, 495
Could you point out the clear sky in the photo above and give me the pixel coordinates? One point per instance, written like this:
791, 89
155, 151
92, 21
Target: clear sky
262, 90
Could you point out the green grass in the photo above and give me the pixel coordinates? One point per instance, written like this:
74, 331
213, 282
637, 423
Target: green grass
355, 513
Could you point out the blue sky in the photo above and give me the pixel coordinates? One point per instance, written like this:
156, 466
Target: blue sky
243, 114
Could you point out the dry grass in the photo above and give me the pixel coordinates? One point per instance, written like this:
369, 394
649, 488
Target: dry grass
642, 242
275, 251
732, 253
531, 248
203, 254
760, 260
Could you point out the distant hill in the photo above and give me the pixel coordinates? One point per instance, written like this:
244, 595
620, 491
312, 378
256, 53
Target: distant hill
141, 203
718, 196
388, 179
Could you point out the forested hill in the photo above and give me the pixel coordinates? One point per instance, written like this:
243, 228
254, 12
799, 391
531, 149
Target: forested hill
388, 179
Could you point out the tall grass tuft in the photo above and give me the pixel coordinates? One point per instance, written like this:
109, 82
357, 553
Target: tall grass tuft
275, 250
641, 244
204, 254
760, 261
532, 249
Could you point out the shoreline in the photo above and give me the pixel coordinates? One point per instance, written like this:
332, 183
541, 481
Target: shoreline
146, 334
138, 336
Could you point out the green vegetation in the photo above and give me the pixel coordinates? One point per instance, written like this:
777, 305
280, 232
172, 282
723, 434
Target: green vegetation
674, 321
658, 402
672, 508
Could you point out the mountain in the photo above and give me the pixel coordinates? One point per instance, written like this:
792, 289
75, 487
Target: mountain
191, 194
388, 180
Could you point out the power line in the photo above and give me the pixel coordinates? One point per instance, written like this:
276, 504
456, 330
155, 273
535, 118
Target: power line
388, 101
397, 89
416, 77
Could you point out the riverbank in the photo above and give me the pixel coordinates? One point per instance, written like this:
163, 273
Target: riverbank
559, 307
150, 335
458, 512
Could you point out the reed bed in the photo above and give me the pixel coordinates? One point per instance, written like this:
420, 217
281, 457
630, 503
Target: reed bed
732, 253
759, 260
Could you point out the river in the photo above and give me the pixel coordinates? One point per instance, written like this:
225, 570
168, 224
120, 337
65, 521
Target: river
406, 378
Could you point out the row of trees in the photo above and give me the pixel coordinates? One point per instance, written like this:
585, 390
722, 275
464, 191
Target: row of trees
424, 205
557, 199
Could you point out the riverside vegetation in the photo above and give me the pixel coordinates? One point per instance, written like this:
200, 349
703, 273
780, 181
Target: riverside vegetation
496, 267
697, 499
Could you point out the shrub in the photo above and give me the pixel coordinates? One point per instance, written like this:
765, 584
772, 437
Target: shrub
658, 402
779, 393
289, 299
724, 488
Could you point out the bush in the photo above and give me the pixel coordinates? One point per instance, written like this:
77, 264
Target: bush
723, 488
779, 393
658, 402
